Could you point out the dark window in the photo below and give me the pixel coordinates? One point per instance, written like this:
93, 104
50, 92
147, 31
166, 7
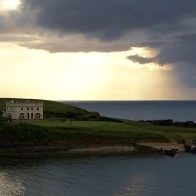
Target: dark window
31, 108
37, 116
27, 108
21, 108
21, 116
37, 108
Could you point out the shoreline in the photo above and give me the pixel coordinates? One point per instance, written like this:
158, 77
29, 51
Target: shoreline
96, 150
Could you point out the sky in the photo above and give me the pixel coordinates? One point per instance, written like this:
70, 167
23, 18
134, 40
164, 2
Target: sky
98, 49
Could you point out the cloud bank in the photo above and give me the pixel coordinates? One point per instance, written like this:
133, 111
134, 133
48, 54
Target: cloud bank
169, 27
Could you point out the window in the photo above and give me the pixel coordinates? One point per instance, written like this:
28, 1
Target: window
37, 116
31, 108
27, 108
21, 116
21, 108
37, 108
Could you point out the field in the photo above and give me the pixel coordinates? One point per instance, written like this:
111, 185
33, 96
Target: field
137, 131
88, 133
57, 130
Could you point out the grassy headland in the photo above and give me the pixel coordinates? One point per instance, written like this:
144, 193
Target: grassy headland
52, 109
63, 129
49, 132
134, 130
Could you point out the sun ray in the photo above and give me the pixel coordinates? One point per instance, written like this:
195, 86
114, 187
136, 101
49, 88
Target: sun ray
9, 4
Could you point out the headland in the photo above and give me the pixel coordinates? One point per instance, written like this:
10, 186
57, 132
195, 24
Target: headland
69, 131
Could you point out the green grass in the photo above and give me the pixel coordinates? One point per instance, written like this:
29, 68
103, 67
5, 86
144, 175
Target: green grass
49, 132
140, 131
59, 123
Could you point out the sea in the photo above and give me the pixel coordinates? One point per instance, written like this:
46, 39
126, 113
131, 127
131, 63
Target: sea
99, 176
112, 175
141, 110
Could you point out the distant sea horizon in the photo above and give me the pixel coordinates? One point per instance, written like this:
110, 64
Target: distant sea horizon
177, 110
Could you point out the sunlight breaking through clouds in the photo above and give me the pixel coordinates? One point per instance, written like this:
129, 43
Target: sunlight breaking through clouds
133, 50
9, 4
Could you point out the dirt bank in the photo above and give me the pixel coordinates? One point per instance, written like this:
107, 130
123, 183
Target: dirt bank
86, 145
165, 146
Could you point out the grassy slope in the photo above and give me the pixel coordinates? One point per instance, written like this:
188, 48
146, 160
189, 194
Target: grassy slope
51, 132
45, 132
138, 131
49, 106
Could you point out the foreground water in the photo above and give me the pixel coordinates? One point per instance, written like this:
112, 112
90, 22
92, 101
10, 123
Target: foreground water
110, 176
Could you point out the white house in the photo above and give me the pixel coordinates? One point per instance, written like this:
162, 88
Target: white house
24, 110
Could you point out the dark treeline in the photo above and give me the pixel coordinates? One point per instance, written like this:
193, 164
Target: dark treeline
170, 122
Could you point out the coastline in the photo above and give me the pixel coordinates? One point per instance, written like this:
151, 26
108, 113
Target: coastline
95, 150
165, 146
90, 138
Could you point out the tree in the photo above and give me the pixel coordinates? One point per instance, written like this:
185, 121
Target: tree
71, 116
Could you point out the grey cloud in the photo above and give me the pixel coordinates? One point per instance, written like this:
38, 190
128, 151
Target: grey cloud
111, 25
187, 38
186, 74
16, 22
177, 53
16, 38
181, 48
141, 60
168, 26
65, 44
115, 24
152, 44
108, 19
183, 59
174, 54
105, 25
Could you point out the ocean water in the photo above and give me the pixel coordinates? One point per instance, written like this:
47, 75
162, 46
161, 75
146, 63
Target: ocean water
111, 176
142, 110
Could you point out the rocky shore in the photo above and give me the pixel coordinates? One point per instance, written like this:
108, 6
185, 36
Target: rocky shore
90, 150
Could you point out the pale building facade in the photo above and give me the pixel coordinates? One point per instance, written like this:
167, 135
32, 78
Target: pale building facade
27, 110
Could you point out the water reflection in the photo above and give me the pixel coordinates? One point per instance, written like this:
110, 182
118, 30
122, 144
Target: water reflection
10, 185
112, 176
139, 182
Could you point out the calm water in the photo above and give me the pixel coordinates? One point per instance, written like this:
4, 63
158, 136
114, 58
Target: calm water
142, 110
116, 176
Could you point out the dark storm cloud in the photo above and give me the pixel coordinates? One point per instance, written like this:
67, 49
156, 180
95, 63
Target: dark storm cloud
166, 26
152, 44
186, 73
176, 53
108, 25
141, 60
109, 19
187, 39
